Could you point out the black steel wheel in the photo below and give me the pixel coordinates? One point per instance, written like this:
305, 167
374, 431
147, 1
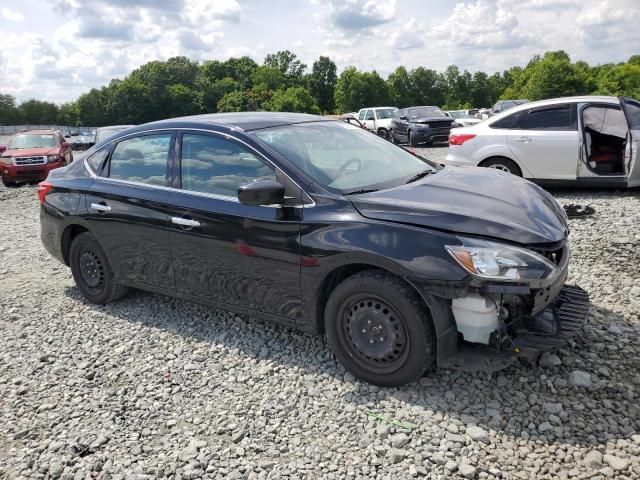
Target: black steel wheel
379, 329
91, 271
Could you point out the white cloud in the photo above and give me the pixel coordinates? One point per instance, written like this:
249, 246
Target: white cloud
358, 14
11, 15
408, 36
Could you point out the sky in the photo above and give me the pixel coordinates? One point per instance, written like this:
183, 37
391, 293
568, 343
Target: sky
57, 49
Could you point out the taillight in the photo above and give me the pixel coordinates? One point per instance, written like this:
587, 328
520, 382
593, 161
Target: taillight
43, 189
460, 138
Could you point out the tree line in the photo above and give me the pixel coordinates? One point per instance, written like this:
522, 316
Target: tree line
180, 86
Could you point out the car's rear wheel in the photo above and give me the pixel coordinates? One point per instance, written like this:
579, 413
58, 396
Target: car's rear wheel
503, 164
379, 329
92, 272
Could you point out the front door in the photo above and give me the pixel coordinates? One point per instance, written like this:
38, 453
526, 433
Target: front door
545, 141
225, 251
631, 108
127, 210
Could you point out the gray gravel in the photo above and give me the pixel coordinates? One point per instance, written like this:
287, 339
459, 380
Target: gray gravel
152, 387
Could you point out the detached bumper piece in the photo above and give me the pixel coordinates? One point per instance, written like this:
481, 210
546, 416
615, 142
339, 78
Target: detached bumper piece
548, 330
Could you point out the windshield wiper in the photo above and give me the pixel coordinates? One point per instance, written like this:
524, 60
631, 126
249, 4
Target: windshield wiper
364, 190
419, 175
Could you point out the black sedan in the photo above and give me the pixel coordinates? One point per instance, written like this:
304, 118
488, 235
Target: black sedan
317, 224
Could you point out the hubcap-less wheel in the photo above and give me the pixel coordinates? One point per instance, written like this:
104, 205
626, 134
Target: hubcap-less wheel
374, 333
499, 166
91, 270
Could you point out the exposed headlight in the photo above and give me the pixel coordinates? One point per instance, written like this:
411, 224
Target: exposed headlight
53, 158
6, 160
501, 262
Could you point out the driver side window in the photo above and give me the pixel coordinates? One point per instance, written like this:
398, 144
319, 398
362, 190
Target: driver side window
370, 115
211, 164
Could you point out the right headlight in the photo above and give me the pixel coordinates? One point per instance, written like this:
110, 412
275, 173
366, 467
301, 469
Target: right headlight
7, 160
497, 261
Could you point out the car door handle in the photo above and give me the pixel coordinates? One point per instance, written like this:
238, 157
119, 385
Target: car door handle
101, 207
185, 222
524, 139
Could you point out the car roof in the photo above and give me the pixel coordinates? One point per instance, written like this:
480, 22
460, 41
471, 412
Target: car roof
109, 127
246, 121
555, 101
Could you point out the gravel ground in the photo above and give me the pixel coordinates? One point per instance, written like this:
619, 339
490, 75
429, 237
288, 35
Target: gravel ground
152, 387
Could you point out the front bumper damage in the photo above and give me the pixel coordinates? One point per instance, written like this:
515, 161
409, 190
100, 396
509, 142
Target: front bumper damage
546, 329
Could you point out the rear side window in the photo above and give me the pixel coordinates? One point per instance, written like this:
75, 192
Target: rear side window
210, 164
506, 122
370, 115
96, 160
141, 159
556, 118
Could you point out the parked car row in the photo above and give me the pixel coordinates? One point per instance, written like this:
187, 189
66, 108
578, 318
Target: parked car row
31, 154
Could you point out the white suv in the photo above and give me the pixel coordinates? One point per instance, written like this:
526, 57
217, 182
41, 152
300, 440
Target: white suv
563, 140
377, 119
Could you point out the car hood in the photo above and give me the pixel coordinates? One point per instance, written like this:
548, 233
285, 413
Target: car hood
384, 122
432, 119
471, 201
32, 152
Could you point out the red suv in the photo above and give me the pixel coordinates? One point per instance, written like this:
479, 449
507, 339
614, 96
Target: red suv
30, 156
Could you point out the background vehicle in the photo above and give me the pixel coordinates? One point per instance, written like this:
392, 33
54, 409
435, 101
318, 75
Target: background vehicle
404, 266
416, 125
504, 105
83, 141
377, 119
103, 133
463, 118
564, 140
31, 155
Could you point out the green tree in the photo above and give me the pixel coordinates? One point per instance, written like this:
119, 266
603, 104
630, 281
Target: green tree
129, 102
429, 87
90, 108
322, 83
241, 69
267, 77
8, 110
244, 101
182, 100
355, 90
68, 114
293, 99
402, 93
38, 112
287, 62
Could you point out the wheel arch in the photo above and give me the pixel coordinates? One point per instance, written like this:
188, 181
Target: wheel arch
70, 232
484, 161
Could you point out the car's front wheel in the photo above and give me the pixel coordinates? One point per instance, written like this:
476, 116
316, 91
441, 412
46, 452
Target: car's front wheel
92, 272
379, 329
504, 164
8, 183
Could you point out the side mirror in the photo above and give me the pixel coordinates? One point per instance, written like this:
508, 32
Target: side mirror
262, 192
3, 148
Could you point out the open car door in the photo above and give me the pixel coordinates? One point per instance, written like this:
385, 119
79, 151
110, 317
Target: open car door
631, 109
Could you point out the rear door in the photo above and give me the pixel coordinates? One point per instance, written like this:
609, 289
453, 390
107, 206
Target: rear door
225, 251
127, 209
545, 141
631, 109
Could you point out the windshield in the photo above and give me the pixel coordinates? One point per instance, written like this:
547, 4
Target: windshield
31, 140
426, 112
386, 112
343, 158
103, 134
459, 114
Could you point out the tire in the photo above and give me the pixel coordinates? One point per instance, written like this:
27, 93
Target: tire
7, 183
411, 140
382, 133
92, 272
392, 135
504, 164
389, 361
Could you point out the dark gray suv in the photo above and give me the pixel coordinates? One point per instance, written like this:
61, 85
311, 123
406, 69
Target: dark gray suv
415, 125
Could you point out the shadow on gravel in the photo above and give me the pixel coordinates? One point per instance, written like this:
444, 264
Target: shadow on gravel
524, 401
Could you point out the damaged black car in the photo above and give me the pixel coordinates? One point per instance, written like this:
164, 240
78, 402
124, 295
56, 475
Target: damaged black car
319, 225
